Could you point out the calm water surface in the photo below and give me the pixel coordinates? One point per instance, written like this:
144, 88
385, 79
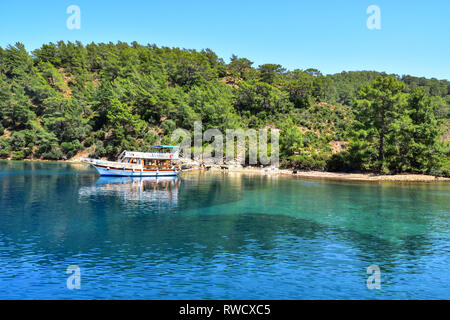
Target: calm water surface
218, 236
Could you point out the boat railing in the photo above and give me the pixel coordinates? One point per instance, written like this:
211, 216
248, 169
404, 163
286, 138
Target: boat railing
122, 156
149, 155
111, 163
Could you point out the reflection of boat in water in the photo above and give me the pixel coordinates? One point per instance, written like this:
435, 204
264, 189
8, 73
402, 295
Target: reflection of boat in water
152, 189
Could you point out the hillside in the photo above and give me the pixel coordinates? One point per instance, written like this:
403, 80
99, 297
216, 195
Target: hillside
65, 99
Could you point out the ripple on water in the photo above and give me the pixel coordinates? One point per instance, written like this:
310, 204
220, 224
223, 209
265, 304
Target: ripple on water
207, 236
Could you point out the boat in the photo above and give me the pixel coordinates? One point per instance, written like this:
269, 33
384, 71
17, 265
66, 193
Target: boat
163, 163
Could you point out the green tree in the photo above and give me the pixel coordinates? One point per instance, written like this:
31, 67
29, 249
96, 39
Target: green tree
414, 142
16, 62
16, 108
291, 139
378, 107
300, 86
270, 73
262, 99
239, 67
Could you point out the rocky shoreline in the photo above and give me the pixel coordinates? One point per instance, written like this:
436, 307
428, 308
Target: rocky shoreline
338, 176
321, 175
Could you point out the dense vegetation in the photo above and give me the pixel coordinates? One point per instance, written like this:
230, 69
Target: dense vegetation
66, 98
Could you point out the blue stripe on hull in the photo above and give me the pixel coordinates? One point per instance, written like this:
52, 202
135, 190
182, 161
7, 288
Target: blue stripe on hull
126, 173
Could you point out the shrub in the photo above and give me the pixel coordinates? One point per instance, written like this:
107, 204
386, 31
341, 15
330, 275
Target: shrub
54, 153
69, 149
168, 126
5, 149
89, 142
99, 150
17, 141
338, 162
99, 135
111, 151
308, 162
18, 155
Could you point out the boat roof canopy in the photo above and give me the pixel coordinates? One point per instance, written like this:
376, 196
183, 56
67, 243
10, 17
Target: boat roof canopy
164, 146
149, 155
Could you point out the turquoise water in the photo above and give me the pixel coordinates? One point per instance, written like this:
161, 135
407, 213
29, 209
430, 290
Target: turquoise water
218, 236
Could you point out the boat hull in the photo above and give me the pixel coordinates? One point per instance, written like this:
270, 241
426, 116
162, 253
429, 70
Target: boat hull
117, 172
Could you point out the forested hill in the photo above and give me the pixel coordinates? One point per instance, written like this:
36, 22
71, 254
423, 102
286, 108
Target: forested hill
65, 99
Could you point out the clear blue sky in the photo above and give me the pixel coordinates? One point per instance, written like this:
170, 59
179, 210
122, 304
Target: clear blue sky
329, 35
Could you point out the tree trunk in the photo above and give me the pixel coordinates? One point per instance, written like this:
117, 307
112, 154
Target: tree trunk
381, 142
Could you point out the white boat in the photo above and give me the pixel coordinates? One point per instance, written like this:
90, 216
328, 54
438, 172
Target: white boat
140, 164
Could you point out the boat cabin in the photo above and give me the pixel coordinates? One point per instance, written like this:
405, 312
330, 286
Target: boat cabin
166, 158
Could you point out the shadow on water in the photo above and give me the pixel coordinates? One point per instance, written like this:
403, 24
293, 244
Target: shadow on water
269, 226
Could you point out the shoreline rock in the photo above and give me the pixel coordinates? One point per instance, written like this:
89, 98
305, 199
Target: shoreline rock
336, 176
318, 175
